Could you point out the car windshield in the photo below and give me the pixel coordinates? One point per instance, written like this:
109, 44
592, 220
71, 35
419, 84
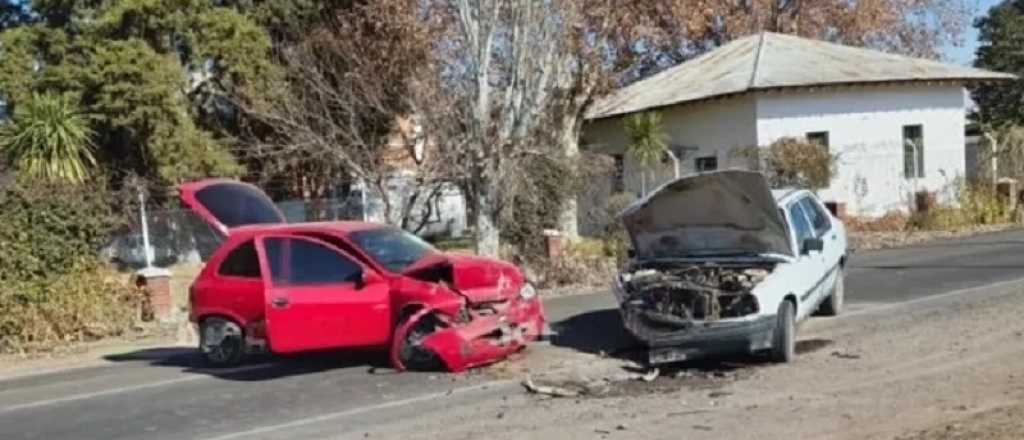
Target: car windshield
393, 248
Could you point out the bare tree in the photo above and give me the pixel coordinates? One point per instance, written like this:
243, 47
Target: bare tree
347, 87
502, 68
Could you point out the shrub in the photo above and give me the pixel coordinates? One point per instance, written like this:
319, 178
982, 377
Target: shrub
975, 205
80, 306
792, 162
52, 229
53, 287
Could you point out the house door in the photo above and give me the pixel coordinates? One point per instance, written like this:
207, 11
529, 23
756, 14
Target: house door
317, 297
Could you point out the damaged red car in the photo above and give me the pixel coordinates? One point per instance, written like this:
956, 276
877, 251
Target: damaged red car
285, 288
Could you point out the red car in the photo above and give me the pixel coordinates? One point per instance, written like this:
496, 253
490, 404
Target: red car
312, 286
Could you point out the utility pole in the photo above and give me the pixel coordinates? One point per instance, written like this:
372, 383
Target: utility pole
145, 228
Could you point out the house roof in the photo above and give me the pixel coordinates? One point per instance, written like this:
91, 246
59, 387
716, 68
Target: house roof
769, 61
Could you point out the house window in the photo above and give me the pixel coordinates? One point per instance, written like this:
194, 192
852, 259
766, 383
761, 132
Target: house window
913, 151
619, 179
818, 137
706, 163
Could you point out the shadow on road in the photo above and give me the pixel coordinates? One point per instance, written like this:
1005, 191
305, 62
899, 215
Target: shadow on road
601, 332
259, 367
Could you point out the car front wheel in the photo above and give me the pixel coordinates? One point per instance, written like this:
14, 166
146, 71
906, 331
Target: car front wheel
221, 342
784, 340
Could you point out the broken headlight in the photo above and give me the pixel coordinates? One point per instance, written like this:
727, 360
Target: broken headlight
527, 292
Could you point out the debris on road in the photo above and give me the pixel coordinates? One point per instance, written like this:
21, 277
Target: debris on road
549, 390
651, 375
845, 355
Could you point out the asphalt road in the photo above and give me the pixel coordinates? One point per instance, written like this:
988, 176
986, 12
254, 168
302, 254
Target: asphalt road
162, 393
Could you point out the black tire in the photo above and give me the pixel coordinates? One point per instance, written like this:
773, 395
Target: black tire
221, 342
833, 305
784, 338
414, 356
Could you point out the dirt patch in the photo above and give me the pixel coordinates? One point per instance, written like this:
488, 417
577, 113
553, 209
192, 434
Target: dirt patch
1005, 423
871, 240
910, 372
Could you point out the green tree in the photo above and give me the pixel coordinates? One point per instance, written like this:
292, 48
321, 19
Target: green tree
1001, 37
648, 141
159, 76
49, 139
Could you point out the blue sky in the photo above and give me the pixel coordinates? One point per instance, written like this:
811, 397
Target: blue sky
965, 53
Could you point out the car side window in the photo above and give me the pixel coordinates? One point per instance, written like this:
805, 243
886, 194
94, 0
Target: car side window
241, 262
819, 219
300, 262
801, 226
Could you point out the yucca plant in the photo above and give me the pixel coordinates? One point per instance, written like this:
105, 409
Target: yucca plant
49, 139
648, 141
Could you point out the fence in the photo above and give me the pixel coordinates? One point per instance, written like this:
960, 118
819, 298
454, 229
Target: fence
180, 236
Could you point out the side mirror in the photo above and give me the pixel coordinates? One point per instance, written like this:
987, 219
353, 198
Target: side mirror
812, 244
367, 277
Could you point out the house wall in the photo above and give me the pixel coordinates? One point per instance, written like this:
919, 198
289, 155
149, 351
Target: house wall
709, 129
865, 127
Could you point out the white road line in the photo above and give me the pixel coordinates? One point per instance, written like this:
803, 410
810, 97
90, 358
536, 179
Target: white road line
360, 410
951, 293
126, 389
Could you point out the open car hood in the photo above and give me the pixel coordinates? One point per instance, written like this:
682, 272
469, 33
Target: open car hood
479, 279
227, 204
717, 213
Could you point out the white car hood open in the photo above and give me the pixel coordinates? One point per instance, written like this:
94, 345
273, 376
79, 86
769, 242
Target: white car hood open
707, 214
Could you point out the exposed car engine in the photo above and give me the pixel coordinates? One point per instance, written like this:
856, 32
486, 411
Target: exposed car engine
677, 296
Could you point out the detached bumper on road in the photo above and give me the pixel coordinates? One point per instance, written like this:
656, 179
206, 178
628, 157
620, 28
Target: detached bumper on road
701, 339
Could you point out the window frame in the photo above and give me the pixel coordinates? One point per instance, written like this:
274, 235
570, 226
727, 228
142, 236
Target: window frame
811, 135
793, 225
256, 254
619, 173
816, 206
272, 280
711, 158
913, 168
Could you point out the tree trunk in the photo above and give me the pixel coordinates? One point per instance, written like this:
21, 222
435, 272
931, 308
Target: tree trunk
488, 238
568, 218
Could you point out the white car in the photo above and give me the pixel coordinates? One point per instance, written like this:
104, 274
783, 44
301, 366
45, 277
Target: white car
723, 265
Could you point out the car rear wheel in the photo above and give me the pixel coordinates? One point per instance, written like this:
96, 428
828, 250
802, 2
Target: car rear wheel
784, 340
833, 305
221, 342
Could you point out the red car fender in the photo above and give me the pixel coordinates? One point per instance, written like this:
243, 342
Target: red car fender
200, 315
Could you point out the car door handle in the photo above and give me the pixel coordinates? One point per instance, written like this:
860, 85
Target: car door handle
279, 302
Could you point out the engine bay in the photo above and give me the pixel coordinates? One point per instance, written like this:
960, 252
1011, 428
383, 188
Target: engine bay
676, 296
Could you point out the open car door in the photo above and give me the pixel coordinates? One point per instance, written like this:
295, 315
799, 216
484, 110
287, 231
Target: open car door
318, 297
226, 204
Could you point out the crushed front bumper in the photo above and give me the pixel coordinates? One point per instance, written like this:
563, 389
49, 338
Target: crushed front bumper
488, 338
701, 339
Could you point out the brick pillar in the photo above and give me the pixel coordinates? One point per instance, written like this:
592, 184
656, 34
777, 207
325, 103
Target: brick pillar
555, 242
157, 283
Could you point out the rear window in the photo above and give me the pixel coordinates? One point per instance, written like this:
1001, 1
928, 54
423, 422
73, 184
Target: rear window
241, 262
238, 205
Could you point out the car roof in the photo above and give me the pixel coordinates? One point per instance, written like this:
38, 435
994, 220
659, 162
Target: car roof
782, 195
329, 227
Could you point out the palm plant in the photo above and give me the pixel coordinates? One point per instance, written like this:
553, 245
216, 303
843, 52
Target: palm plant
49, 139
648, 141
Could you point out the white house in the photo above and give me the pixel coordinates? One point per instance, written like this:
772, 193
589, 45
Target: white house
864, 105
